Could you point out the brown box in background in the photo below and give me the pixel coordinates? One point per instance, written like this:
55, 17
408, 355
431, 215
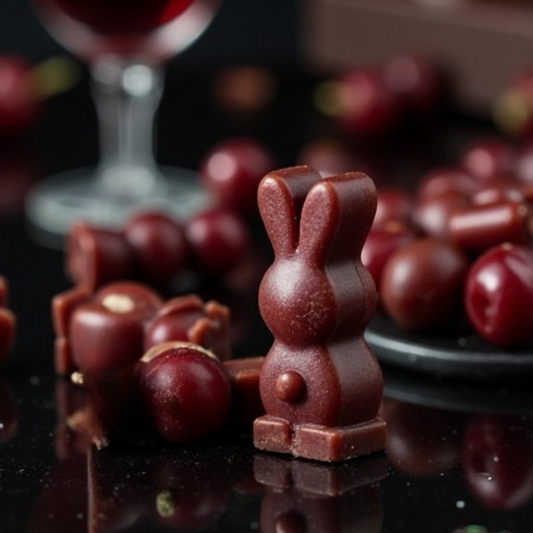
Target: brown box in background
484, 44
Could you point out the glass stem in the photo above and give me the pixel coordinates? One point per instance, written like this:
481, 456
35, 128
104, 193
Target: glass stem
127, 96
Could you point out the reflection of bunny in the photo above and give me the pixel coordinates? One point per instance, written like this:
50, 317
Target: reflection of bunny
320, 380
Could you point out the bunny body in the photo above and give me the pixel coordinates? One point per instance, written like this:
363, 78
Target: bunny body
317, 299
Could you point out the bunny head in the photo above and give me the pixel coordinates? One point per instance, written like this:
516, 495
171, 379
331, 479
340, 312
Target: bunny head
317, 228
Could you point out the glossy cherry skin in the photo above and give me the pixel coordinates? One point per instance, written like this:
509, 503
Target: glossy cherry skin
185, 393
232, 170
443, 180
497, 461
488, 159
416, 81
219, 240
422, 284
158, 244
394, 205
381, 244
108, 331
19, 104
498, 293
367, 106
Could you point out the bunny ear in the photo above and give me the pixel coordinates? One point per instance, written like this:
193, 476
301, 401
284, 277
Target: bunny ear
281, 195
336, 218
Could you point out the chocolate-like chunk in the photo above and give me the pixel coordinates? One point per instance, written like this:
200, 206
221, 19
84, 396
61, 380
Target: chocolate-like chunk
246, 403
96, 256
480, 227
63, 305
107, 332
188, 318
321, 385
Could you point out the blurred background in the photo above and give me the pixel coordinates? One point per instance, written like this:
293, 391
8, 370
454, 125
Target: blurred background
262, 31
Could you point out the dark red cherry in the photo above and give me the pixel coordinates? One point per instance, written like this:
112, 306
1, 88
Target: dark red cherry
366, 105
219, 240
422, 284
185, 391
417, 81
231, 172
19, 102
498, 291
432, 215
381, 244
394, 205
488, 159
443, 180
96, 256
158, 244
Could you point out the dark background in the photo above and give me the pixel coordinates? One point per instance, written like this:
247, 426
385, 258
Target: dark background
259, 31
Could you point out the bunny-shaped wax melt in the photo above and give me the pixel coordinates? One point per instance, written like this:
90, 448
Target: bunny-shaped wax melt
320, 384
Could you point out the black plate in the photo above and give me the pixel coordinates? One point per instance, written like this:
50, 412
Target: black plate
458, 353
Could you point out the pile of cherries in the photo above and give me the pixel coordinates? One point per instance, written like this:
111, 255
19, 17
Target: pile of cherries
461, 243
168, 353
154, 247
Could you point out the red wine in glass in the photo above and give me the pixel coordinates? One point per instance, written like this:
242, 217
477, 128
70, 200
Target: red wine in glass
148, 28
125, 42
123, 16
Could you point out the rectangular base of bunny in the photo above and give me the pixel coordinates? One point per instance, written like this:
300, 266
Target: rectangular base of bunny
320, 443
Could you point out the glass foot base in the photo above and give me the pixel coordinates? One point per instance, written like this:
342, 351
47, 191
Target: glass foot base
57, 202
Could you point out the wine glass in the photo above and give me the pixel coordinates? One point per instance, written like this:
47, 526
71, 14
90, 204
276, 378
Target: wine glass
126, 43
